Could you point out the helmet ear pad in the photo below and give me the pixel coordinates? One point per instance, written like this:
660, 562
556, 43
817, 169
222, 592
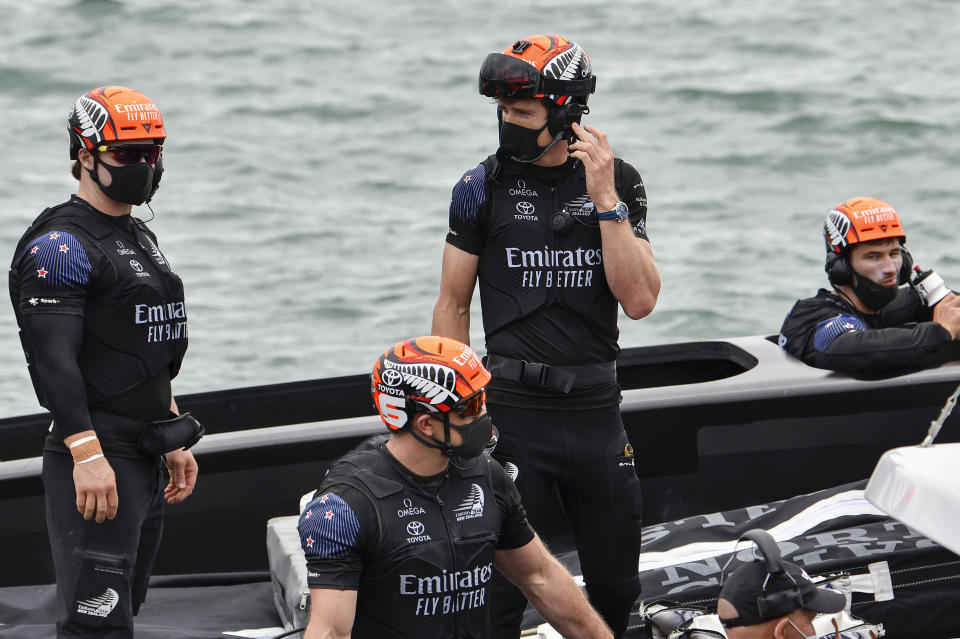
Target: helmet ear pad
839, 271
906, 268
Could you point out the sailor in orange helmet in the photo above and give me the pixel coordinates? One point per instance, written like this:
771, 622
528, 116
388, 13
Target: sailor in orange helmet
402, 536
553, 228
103, 325
872, 322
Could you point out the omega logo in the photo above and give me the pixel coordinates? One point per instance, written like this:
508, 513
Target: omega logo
409, 510
392, 377
415, 528
525, 208
522, 190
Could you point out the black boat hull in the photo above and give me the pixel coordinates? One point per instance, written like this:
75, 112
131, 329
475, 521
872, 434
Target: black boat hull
714, 425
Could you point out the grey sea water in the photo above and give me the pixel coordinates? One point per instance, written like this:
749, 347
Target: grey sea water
312, 147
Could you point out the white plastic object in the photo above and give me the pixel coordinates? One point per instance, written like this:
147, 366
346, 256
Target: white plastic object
931, 288
920, 486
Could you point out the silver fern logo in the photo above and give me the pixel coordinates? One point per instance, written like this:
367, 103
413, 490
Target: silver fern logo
572, 64
99, 606
472, 506
435, 382
581, 206
155, 252
837, 225
92, 117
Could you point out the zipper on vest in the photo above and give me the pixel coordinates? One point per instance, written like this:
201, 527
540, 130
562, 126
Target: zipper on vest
553, 246
453, 554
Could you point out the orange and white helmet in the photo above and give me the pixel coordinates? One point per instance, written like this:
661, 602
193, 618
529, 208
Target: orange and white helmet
861, 219
540, 66
427, 375
112, 114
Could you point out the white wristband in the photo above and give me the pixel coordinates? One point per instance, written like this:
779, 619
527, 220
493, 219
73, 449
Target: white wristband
82, 440
91, 458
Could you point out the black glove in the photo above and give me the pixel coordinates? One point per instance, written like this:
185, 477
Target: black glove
161, 437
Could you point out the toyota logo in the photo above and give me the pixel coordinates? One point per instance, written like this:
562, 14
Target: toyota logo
525, 208
415, 528
136, 266
392, 377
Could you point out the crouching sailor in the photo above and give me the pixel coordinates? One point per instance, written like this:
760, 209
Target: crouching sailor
402, 536
103, 326
870, 324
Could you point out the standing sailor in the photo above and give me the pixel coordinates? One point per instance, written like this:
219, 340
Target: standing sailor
553, 227
103, 326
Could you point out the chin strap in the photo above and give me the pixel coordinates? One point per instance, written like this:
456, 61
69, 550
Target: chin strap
93, 172
446, 448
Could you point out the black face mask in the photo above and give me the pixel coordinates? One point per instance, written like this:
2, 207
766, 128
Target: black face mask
475, 435
872, 294
131, 184
520, 143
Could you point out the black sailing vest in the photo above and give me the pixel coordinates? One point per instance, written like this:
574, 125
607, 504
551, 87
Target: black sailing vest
133, 329
428, 575
526, 265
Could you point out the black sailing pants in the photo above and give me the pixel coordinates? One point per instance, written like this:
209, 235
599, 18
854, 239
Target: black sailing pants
102, 569
583, 456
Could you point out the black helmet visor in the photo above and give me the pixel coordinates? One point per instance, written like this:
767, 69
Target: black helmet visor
503, 76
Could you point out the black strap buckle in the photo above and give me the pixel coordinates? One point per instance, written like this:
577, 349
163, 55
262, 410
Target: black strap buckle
534, 373
546, 376
531, 373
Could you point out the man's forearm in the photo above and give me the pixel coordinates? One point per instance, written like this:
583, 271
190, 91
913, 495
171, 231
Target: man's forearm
555, 596
630, 269
451, 321
316, 632
877, 350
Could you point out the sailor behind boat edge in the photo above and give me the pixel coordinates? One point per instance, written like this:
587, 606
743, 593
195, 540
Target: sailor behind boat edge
427, 558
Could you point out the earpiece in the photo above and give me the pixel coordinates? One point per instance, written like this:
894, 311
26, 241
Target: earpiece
562, 118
